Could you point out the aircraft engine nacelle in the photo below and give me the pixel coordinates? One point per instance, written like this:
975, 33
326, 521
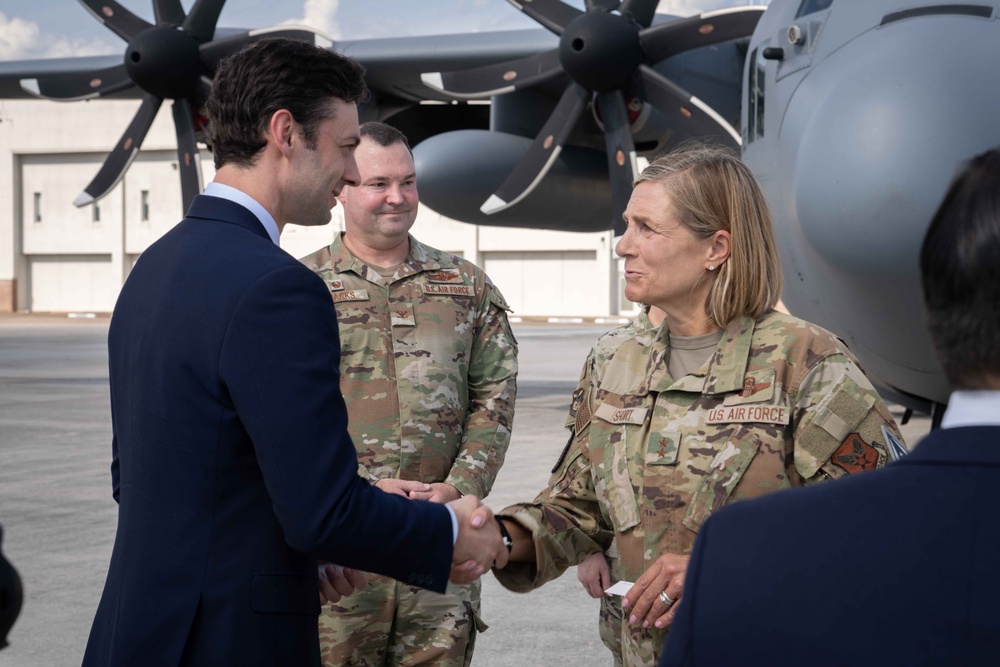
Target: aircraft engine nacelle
458, 171
860, 136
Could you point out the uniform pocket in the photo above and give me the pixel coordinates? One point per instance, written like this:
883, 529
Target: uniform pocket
726, 470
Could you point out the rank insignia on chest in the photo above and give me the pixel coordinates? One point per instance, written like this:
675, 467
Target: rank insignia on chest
335, 285
451, 276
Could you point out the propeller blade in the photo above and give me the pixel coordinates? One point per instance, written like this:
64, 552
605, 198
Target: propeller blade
668, 39
168, 12
124, 152
119, 20
496, 79
684, 109
622, 166
553, 15
544, 150
79, 85
201, 20
640, 11
602, 5
213, 52
187, 153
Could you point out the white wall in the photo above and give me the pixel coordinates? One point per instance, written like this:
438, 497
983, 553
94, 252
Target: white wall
67, 261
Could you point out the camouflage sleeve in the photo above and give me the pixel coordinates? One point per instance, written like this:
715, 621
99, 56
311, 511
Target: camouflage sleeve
565, 519
492, 389
842, 424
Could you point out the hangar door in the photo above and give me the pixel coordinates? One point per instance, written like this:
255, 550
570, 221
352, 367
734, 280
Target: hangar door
548, 283
65, 283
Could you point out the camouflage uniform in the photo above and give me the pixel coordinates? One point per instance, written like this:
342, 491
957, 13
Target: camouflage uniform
428, 371
780, 403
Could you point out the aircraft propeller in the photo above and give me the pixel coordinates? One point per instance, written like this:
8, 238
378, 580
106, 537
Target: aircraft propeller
608, 53
174, 59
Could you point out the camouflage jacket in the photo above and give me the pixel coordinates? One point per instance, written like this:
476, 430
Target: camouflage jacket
428, 366
779, 404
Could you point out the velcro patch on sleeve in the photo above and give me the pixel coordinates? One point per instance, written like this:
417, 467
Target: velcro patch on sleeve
855, 455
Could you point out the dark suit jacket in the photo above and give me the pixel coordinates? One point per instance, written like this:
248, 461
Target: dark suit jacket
232, 464
899, 566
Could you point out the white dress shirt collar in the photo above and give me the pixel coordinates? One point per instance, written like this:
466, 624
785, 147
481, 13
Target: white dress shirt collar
972, 408
214, 189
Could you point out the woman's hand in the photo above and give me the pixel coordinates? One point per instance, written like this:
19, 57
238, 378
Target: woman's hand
593, 573
665, 575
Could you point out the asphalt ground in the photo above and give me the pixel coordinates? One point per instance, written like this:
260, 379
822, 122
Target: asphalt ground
59, 519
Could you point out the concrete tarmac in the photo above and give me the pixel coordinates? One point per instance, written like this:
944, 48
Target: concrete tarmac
59, 518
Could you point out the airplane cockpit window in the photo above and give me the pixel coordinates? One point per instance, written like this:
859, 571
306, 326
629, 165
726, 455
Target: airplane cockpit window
813, 6
758, 76
751, 84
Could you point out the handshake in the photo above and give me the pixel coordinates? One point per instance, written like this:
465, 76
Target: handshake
480, 545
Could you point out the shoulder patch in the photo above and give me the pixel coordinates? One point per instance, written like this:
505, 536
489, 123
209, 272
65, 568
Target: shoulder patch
855, 455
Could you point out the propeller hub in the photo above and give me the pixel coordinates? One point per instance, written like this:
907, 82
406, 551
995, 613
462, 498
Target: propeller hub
165, 62
600, 51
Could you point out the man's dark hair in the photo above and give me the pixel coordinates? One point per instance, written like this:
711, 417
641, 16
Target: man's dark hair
269, 75
960, 270
384, 135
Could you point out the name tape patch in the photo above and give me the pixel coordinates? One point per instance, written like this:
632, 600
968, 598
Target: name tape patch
610, 413
449, 290
350, 295
764, 414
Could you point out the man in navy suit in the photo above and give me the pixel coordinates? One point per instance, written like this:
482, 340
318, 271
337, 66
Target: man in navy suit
893, 567
232, 464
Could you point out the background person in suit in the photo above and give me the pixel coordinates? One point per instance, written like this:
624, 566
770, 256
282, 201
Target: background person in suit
232, 464
11, 595
899, 566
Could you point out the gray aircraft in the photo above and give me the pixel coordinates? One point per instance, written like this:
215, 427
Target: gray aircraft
854, 114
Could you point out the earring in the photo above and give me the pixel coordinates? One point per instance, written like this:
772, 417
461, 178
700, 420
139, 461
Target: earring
711, 268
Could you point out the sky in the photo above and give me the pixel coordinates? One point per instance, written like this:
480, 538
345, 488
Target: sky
61, 28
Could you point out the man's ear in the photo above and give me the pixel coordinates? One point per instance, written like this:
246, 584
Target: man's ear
281, 131
720, 245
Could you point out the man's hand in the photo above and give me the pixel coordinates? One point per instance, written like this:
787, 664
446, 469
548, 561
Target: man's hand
439, 492
402, 487
479, 539
665, 575
335, 582
593, 573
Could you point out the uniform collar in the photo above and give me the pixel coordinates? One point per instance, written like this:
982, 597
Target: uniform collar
972, 408
418, 259
726, 367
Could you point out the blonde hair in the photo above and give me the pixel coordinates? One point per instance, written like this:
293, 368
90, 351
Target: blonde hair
712, 189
